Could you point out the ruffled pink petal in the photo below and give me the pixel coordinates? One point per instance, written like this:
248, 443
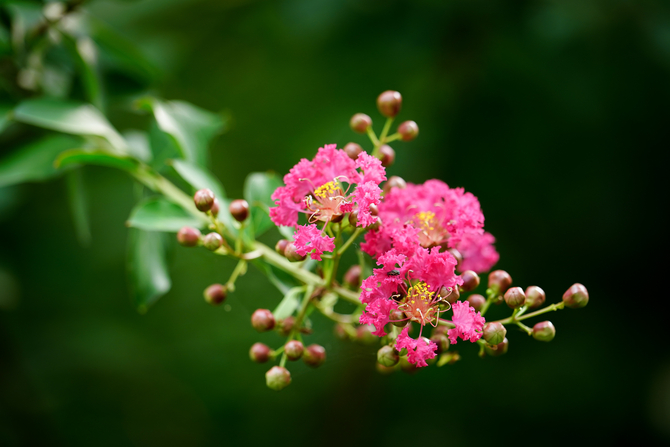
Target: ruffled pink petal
309, 239
377, 313
365, 195
418, 351
434, 268
478, 252
469, 323
373, 171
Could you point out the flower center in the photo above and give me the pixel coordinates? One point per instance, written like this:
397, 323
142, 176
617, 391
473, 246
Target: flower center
326, 189
432, 233
420, 304
329, 197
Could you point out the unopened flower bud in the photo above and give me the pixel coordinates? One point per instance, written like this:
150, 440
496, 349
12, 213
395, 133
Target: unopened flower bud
203, 199
408, 130
277, 378
353, 150
291, 254
376, 225
215, 208
294, 349
386, 370
340, 332
364, 334
576, 296
450, 294
280, 247
285, 326
212, 241
494, 333
262, 320
534, 297
398, 318
387, 356
188, 237
470, 281
374, 209
239, 209
476, 301
499, 281
394, 182
457, 255
544, 331
387, 155
314, 355
497, 350
441, 341
353, 276
407, 367
515, 297
215, 294
260, 353
389, 103
360, 122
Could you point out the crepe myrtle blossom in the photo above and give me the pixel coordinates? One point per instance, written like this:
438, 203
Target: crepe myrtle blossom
443, 217
469, 323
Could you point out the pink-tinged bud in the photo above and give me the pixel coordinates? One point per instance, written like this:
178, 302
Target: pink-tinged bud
470, 281
389, 103
387, 356
457, 255
499, 281
408, 130
188, 237
239, 209
281, 246
441, 340
291, 254
285, 326
534, 297
203, 199
450, 294
360, 123
364, 335
398, 318
476, 301
353, 150
387, 155
394, 182
386, 370
215, 208
294, 350
277, 378
497, 350
544, 331
376, 225
340, 332
212, 241
407, 367
260, 353
576, 296
215, 294
353, 218
314, 355
515, 297
262, 320
374, 210
494, 333
353, 276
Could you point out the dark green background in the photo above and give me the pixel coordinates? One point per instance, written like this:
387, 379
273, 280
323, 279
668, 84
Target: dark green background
554, 113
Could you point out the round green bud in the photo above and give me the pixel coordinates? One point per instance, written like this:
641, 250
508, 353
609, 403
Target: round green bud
497, 350
215, 294
214, 210
408, 130
281, 246
450, 294
203, 199
387, 155
212, 241
441, 340
476, 301
188, 237
387, 356
353, 150
291, 254
457, 255
389, 103
364, 335
277, 378
239, 209
499, 281
294, 350
515, 297
352, 277
394, 182
386, 370
534, 297
576, 296
260, 353
314, 355
398, 318
285, 326
360, 123
470, 281
262, 320
494, 333
406, 366
544, 331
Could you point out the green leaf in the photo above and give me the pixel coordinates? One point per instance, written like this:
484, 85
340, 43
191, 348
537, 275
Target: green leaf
138, 144
95, 157
147, 267
35, 162
83, 51
198, 177
79, 205
5, 116
159, 214
287, 232
258, 189
191, 127
68, 117
279, 278
290, 303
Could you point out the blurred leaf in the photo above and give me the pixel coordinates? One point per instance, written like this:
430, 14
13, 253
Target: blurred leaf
279, 278
5, 116
147, 267
158, 214
83, 51
163, 147
24, 16
68, 117
198, 177
258, 188
287, 232
99, 158
35, 162
138, 144
289, 304
190, 126
79, 205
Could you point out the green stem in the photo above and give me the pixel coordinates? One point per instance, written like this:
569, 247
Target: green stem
395, 136
385, 130
515, 318
373, 138
240, 269
349, 241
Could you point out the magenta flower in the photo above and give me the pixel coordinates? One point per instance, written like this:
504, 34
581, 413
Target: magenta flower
478, 252
418, 351
469, 324
309, 239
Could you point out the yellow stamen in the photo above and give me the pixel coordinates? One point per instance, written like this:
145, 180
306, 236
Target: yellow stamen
426, 219
325, 189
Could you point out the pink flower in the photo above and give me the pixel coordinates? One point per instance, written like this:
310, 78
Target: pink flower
418, 351
469, 324
373, 171
366, 194
478, 252
309, 239
377, 313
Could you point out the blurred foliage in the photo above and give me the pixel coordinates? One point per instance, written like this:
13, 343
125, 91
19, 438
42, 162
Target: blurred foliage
553, 113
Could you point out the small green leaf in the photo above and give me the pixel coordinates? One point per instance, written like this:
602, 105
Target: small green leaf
79, 205
158, 214
198, 177
84, 52
35, 162
258, 189
95, 157
138, 144
287, 232
279, 278
289, 304
5, 116
68, 117
147, 267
